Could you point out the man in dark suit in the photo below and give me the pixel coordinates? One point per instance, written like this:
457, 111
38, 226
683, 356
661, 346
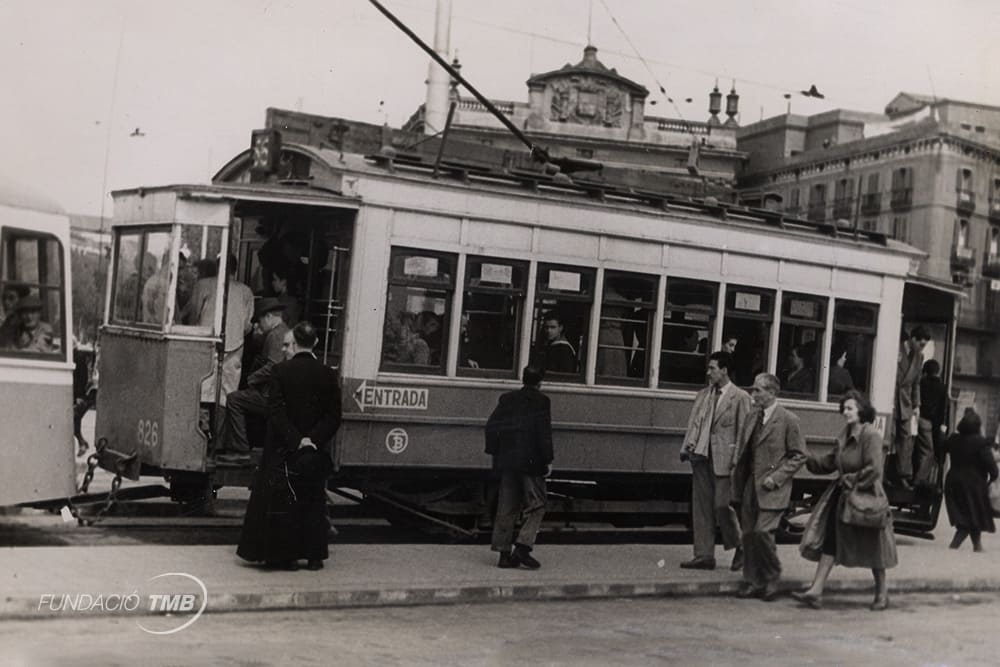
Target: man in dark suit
909, 366
717, 418
933, 423
519, 438
286, 517
771, 450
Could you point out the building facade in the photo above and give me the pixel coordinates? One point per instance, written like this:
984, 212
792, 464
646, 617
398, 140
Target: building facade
925, 172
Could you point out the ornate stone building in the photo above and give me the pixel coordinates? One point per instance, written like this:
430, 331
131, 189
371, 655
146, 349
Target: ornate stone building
925, 172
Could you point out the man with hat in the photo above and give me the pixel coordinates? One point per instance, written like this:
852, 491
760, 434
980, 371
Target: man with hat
33, 335
253, 400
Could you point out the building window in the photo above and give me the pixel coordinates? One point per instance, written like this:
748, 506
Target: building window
793, 198
563, 300
966, 126
853, 347
417, 310
32, 318
962, 234
627, 309
817, 202
747, 323
585, 152
900, 228
491, 316
902, 188
872, 199
994, 247
800, 342
688, 320
980, 129
843, 194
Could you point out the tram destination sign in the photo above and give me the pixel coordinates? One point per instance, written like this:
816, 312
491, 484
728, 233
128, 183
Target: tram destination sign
372, 396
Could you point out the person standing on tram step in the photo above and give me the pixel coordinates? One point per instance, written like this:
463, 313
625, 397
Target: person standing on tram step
286, 517
200, 310
519, 438
269, 313
557, 354
966, 490
717, 418
931, 429
771, 450
909, 366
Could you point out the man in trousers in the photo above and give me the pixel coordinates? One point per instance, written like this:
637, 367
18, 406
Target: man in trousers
771, 451
519, 438
720, 410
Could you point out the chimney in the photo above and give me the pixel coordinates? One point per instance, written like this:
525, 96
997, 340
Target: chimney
438, 81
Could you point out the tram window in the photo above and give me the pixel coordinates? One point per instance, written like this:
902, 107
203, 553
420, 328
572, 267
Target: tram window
491, 315
627, 307
746, 331
417, 309
32, 321
688, 322
800, 342
564, 296
197, 264
142, 276
853, 347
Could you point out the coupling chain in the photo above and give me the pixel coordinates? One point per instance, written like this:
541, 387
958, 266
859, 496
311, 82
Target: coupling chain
88, 477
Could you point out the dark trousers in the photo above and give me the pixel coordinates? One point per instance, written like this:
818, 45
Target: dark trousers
710, 497
520, 496
904, 450
760, 551
239, 404
923, 455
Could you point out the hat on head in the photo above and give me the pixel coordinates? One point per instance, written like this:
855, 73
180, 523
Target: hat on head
266, 305
30, 302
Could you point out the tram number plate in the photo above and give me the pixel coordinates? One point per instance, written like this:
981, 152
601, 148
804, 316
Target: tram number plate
148, 433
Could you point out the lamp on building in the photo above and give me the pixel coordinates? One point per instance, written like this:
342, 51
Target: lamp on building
732, 106
714, 105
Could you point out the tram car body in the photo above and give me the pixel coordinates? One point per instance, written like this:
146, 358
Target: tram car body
432, 291
36, 370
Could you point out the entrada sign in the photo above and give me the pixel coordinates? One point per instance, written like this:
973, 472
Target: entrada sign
399, 398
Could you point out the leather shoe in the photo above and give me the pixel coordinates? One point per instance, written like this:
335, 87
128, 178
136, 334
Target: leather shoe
811, 601
748, 590
770, 593
699, 563
314, 565
881, 603
508, 560
524, 557
737, 563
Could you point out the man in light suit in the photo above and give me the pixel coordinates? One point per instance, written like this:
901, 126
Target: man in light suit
771, 450
717, 418
909, 366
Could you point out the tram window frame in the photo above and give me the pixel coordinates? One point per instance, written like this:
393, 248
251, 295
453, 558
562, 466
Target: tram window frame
754, 307
550, 299
866, 332
795, 325
512, 293
52, 293
631, 321
440, 286
136, 321
696, 370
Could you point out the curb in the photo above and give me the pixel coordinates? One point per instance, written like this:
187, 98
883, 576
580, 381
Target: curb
24, 608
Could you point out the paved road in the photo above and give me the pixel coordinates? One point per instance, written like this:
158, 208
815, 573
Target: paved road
917, 630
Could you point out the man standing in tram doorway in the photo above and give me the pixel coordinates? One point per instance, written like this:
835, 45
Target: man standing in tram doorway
286, 518
771, 451
909, 367
519, 438
717, 418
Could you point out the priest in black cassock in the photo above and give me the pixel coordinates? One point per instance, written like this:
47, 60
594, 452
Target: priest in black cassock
286, 518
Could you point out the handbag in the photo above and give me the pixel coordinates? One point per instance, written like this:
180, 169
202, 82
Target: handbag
864, 508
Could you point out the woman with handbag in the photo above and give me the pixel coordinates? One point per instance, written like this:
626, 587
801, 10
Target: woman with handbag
966, 489
851, 524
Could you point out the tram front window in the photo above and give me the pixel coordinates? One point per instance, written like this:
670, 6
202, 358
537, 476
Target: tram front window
688, 320
561, 321
800, 343
491, 315
417, 310
142, 277
628, 303
31, 284
746, 331
853, 346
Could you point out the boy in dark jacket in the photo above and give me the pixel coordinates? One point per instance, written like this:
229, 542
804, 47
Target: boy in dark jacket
519, 438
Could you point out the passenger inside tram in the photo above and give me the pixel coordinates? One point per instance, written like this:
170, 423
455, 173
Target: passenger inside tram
405, 344
282, 290
9, 320
33, 334
800, 377
556, 354
840, 377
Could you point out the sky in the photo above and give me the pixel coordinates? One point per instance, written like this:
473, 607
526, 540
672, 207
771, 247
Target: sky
196, 76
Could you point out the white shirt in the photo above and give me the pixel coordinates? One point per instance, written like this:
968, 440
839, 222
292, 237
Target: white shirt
768, 411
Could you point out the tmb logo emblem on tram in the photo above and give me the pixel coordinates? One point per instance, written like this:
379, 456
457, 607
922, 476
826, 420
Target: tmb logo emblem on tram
396, 441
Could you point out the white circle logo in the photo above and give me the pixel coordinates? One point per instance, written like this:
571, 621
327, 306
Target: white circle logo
396, 441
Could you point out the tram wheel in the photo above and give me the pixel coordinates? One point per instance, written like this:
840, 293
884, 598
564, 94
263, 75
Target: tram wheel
195, 496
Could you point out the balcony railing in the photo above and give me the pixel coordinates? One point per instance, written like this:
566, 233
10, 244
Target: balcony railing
966, 201
902, 199
842, 208
817, 211
962, 258
994, 211
871, 204
991, 266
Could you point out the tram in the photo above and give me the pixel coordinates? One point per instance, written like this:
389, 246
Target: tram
432, 282
36, 369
